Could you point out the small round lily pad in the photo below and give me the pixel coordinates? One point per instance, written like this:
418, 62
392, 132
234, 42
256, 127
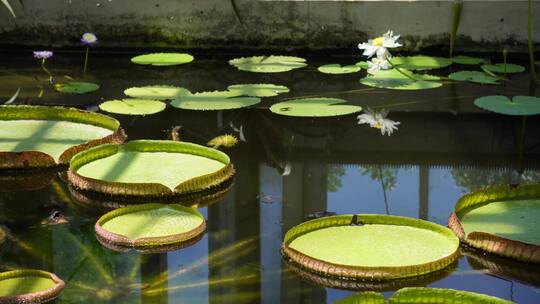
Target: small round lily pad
217, 100
162, 59
152, 168
132, 106
76, 87
257, 89
314, 107
363, 64
501, 68
366, 246
474, 76
156, 227
400, 80
159, 92
29, 286
338, 69
467, 60
518, 105
502, 220
420, 62
268, 64
44, 136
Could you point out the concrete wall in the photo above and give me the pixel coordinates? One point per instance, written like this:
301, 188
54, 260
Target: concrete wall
485, 24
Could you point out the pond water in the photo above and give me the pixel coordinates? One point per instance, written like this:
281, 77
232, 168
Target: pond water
288, 169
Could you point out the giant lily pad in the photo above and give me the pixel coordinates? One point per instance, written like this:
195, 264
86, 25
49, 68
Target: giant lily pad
367, 297
314, 107
502, 68
150, 168
414, 295
42, 136
29, 286
155, 227
474, 76
501, 220
467, 60
159, 92
162, 59
421, 62
338, 69
400, 80
217, 100
76, 87
268, 64
257, 90
518, 105
367, 246
132, 106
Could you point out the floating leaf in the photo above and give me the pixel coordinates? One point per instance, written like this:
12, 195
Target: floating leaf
217, 100
467, 60
150, 226
474, 76
258, 90
268, 64
162, 59
519, 105
363, 64
414, 295
338, 69
314, 107
362, 245
131, 106
159, 92
500, 68
103, 169
366, 297
29, 286
397, 80
76, 87
420, 62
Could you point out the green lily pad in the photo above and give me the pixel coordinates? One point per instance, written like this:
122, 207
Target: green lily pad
44, 136
162, 59
371, 246
76, 87
124, 169
150, 226
314, 107
29, 286
338, 69
363, 64
159, 92
268, 64
500, 68
394, 80
217, 100
257, 90
421, 62
414, 295
367, 297
519, 105
131, 106
467, 60
474, 76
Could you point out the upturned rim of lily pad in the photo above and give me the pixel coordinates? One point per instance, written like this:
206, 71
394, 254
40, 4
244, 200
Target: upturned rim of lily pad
359, 272
34, 297
36, 159
26, 180
489, 242
138, 189
156, 244
421, 294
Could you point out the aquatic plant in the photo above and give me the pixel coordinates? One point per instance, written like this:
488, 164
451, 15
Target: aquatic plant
162, 59
226, 140
314, 107
467, 60
76, 87
456, 18
518, 105
378, 120
400, 79
133, 106
268, 64
530, 43
43, 56
88, 40
29, 286
13, 97
474, 76
9, 8
257, 89
420, 62
159, 92
212, 101
338, 69
379, 47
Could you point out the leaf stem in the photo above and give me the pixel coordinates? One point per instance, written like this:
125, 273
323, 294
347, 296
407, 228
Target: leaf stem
46, 70
530, 43
85, 61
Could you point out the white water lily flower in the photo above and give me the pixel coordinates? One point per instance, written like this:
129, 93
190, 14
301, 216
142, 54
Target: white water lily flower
377, 64
380, 45
379, 121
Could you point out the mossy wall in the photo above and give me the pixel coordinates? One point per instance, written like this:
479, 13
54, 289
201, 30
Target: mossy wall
485, 25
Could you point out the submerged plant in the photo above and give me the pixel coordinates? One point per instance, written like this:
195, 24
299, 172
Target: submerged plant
44, 55
87, 39
378, 120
